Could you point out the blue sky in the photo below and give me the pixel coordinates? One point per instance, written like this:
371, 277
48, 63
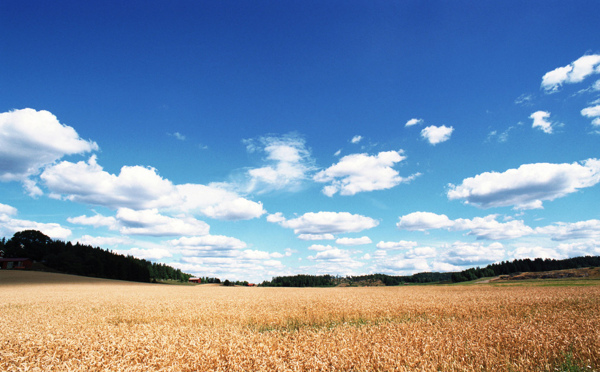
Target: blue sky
246, 140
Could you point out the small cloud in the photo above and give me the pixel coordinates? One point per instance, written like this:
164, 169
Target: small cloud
539, 121
412, 122
437, 135
356, 139
524, 100
177, 135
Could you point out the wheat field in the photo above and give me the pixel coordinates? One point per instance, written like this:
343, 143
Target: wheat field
51, 322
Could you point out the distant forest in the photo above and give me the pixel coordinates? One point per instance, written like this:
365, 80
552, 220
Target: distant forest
502, 268
86, 260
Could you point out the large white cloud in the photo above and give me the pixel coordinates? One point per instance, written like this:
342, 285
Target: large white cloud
151, 223
572, 73
527, 186
288, 163
10, 225
139, 188
362, 172
470, 254
481, 227
30, 140
437, 135
354, 241
208, 245
325, 222
589, 229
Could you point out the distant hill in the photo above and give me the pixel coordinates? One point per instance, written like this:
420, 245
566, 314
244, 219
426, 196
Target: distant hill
86, 260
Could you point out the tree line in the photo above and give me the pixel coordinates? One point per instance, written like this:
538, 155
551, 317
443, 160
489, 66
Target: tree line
85, 260
525, 265
329, 280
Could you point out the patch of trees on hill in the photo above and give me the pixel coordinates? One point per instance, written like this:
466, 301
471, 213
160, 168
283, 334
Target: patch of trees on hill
525, 265
329, 281
85, 260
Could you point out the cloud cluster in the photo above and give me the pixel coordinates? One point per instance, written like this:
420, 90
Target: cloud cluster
10, 225
592, 112
561, 231
325, 222
574, 72
288, 163
30, 140
527, 186
481, 227
435, 135
362, 172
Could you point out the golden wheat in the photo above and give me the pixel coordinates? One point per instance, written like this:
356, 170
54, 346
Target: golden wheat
96, 325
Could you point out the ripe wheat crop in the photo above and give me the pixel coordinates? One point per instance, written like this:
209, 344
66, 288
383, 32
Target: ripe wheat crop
95, 325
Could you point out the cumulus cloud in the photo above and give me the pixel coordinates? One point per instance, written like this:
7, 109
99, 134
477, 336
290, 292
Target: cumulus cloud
151, 223
320, 247
208, 245
574, 72
402, 244
402, 265
139, 188
325, 222
592, 112
362, 172
587, 248
437, 135
31, 140
152, 254
97, 220
535, 252
481, 227
354, 241
288, 163
10, 225
539, 121
413, 121
102, 241
356, 139
471, 254
315, 236
561, 231
527, 186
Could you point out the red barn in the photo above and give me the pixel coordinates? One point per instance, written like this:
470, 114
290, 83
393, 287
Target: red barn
195, 280
15, 263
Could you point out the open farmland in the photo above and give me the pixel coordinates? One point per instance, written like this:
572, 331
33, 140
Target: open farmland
58, 323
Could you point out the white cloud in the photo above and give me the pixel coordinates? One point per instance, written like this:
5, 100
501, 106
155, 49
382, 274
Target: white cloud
402, 265
362, 172
421, 221
463, 254
528, 186
587, 248
139, 188
413, 121
402, 244
445, 267
592, 112
316, 237
354, 241
178, 135
135, 187
325, 222
356, 139
208, 245
482, 227
437, 135
152, 254
572, 73
9, 225
535, 252
589, 229
151, 223
288, 162
96, 221
319, 247
31, 140
102, 241
539, 121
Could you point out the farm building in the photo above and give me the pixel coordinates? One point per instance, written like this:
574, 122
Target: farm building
15, 263
195, 280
